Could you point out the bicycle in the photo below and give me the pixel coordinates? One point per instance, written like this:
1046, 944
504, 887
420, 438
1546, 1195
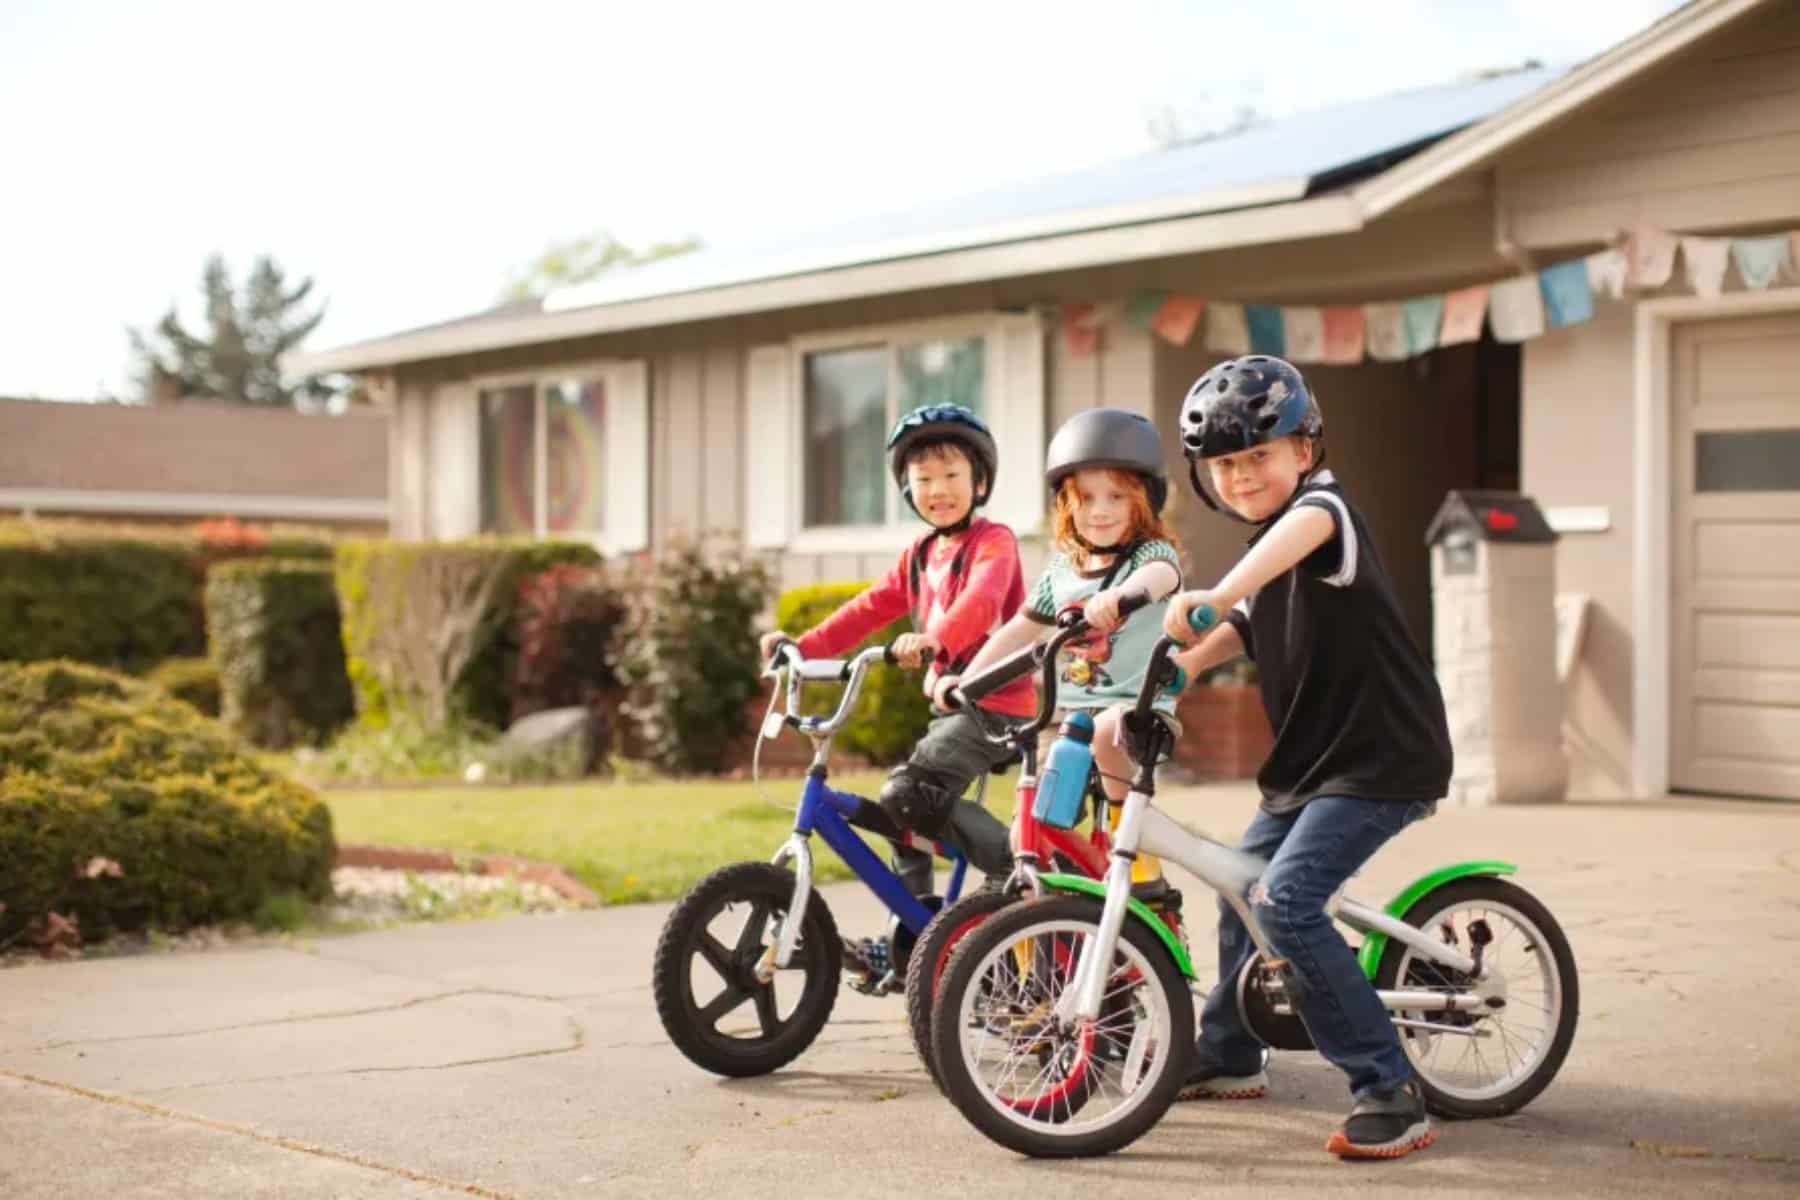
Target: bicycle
1083, 1052
1038, 844
786, 930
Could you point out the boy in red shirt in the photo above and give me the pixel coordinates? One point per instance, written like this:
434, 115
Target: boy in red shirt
958, 583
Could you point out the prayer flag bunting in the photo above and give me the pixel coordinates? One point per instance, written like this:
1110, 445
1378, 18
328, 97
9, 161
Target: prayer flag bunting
1264, 321
1760, 260
1303, 333
1343, 335
1175, 320
1516, 308
1464, 311
1567, 300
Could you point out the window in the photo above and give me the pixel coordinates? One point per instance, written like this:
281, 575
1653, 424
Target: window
851, 398
543, 457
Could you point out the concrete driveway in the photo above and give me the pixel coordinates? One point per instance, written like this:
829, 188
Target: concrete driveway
523, 1057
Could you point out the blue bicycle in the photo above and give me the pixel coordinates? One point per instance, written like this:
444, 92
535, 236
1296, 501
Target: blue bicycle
748, 926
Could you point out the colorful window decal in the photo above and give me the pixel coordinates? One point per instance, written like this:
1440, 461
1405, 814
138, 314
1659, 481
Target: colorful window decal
574, 463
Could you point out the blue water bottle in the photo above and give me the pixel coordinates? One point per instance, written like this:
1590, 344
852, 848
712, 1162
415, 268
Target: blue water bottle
1064, 783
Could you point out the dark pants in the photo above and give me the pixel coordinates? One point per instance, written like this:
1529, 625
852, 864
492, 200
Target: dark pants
956, 749
1311, 852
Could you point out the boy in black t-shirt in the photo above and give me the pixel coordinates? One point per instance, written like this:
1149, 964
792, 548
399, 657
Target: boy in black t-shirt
1362, 746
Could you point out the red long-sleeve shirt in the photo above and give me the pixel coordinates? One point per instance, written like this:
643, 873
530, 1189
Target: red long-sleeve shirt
967, 588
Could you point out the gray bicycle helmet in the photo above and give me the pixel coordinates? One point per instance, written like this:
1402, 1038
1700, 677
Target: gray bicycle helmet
1242, 403
1108, 437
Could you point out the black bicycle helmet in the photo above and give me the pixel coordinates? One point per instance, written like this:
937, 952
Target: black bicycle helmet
944, 422
1108, 437
1243, 403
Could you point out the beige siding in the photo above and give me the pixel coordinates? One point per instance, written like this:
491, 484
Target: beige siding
1707, 143
1577, 450
722, 458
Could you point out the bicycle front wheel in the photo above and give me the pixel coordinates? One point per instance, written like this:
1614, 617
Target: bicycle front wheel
1046, 1087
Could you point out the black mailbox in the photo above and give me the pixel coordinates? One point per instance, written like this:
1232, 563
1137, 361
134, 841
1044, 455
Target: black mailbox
1468, 517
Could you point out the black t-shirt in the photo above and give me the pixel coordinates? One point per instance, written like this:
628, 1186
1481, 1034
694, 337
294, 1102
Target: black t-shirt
1354, 704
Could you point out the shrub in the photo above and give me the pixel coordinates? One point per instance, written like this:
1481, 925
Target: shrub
690, 655
406, 748
123, 596
97, 768
892, 712
566, 622
273, 625
194, 681
428, 626
97, 596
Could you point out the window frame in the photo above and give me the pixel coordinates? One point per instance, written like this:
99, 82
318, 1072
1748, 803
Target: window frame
900, 528
586, 371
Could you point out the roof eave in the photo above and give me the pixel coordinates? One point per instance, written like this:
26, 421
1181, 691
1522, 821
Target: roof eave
1320, 216
1483, 141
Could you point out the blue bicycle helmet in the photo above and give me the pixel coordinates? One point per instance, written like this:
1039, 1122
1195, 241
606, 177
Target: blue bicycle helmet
938, 423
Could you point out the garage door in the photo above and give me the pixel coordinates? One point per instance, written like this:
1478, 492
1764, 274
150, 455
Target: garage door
1735, 677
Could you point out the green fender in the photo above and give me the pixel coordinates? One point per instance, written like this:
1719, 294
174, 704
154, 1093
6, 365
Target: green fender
1374, 941
1097, 889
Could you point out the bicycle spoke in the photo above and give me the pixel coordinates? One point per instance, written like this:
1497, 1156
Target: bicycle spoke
715, 954
765, 1010
725, 1002
751, 938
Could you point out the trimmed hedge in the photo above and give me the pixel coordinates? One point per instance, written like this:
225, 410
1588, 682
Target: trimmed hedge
374, 582
194, 681
115, 595
95, 766
272, 625
892, 712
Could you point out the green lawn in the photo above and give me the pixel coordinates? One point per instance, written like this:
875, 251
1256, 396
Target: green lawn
627, 841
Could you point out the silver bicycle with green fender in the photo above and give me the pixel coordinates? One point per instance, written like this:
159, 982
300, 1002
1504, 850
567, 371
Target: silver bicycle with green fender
1065, 1025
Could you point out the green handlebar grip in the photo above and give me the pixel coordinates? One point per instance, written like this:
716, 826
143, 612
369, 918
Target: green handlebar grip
1202, 617
1177, 685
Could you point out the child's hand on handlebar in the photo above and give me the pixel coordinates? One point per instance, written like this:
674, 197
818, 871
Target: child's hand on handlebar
769, 642
910, 649
1179, 619
1102, 609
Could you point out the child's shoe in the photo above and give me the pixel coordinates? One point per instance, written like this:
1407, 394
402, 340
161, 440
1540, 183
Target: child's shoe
872, 960
1212, 1083
1384, 1125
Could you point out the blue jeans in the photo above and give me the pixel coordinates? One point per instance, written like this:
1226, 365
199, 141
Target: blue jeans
1311, 852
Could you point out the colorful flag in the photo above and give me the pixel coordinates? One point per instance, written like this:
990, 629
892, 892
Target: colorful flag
1760, 260
1343, 335
1081, 329
1303, 333
1422, 315
1567, 300
1464, 311
1142, 308
1226, 329
1706, 261
1264, 321
1175, 320
1649, 258
1606, 270
1386, 324
1516, 308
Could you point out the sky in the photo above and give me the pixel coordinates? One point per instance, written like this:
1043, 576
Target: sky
409, 156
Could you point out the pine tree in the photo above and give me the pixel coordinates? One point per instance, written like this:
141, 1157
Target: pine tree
239, 359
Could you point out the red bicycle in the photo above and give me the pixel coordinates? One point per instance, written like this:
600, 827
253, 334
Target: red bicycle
1037, 846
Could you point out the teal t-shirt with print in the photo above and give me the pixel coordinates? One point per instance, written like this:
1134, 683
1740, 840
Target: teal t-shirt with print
1100, 670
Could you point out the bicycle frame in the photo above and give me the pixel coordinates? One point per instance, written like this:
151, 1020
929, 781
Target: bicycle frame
1232, 874
826, 812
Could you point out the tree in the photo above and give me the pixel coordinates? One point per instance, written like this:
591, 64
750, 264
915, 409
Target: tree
578, 260
239, 358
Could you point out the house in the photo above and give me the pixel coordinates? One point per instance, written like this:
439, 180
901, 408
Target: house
1660, 429
190, 461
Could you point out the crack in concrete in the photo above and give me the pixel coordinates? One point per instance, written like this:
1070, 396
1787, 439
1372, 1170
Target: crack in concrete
297, 1019
577, 1040
267, 1139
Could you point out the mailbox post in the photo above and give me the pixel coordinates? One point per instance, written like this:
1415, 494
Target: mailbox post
1493, 580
